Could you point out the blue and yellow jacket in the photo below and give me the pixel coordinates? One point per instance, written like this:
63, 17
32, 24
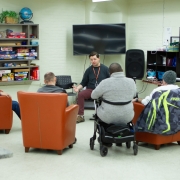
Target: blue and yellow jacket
162, 114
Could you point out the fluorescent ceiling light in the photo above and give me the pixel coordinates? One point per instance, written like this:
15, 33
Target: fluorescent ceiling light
100, 0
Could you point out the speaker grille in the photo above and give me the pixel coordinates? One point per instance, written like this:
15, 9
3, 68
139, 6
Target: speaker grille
135, 64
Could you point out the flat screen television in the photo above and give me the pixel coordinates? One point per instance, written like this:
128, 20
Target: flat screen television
102, 38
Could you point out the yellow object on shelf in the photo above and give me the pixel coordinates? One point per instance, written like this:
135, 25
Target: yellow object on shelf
20, 70
23, 64
173, 48
7, 44
11, 20
8, 77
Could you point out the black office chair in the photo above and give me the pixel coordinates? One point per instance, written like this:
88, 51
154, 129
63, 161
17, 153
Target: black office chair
89, 104
65, 82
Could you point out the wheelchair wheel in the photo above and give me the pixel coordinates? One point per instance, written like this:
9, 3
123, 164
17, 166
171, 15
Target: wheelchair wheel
135, 148
91, 143
108, 144
103, 151
128, 145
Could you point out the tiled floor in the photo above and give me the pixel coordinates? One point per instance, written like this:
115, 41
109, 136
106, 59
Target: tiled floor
80, 163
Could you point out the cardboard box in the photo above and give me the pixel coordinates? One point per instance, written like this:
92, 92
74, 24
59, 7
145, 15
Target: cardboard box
4, 71
20, 70
20, 76
23, 54
6, 48
16, 35
8, 77
23, 64
23, 50
7, 52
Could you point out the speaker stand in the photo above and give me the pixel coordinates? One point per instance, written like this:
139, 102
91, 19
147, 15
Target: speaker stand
136, 92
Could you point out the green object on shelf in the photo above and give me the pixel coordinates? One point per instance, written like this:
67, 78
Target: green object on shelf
5, 14
173, 49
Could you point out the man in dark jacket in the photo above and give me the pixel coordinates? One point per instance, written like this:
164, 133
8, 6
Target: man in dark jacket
92, 77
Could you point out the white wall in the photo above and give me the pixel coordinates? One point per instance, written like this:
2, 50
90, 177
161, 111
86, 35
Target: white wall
144, 20
55, 19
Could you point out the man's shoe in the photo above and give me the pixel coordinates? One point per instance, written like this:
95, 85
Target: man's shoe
80, 119
93, 117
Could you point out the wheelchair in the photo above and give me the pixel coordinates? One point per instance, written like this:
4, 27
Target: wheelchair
110, 133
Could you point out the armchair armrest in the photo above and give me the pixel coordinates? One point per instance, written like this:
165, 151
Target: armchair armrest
70, 122
138, 108
66, 86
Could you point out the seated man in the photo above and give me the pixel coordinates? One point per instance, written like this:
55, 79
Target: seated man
50, 82
50, 85
162, 108
168, 83
15, 104
92, 77
116, 89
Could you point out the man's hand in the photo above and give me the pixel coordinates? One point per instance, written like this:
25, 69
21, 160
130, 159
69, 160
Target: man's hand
137, 100
75, 88
5, 94
134, 100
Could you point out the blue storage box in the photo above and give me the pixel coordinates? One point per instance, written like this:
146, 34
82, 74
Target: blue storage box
160, 75
34, 43
151, 73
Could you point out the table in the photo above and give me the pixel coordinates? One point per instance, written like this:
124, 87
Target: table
158, 83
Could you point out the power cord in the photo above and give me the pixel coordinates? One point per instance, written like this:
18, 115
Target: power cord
103, 59
144, 89
85, 64
141, 88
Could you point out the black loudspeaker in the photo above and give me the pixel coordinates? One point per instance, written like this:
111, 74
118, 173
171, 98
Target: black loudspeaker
135, 63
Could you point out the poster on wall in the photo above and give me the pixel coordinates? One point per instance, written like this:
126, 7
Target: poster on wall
166, 35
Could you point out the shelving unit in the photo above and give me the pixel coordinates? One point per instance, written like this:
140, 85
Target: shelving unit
155, 61
28, 29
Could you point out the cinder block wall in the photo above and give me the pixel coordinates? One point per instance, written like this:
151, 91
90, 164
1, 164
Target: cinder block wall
145, 20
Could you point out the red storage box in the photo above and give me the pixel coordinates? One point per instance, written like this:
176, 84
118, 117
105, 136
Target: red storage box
16, 35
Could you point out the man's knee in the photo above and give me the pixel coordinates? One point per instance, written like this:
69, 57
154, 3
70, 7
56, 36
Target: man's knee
85, 94
81, 95
15, 103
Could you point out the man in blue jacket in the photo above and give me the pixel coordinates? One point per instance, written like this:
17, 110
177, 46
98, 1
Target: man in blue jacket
15, 104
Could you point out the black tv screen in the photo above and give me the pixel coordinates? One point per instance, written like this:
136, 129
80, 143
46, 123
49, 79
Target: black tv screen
102, 38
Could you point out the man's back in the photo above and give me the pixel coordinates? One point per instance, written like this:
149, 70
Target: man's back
117, 88
51, 89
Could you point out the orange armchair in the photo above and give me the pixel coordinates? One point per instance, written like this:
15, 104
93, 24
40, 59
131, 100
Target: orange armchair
46, 121
156, 139
6, 113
